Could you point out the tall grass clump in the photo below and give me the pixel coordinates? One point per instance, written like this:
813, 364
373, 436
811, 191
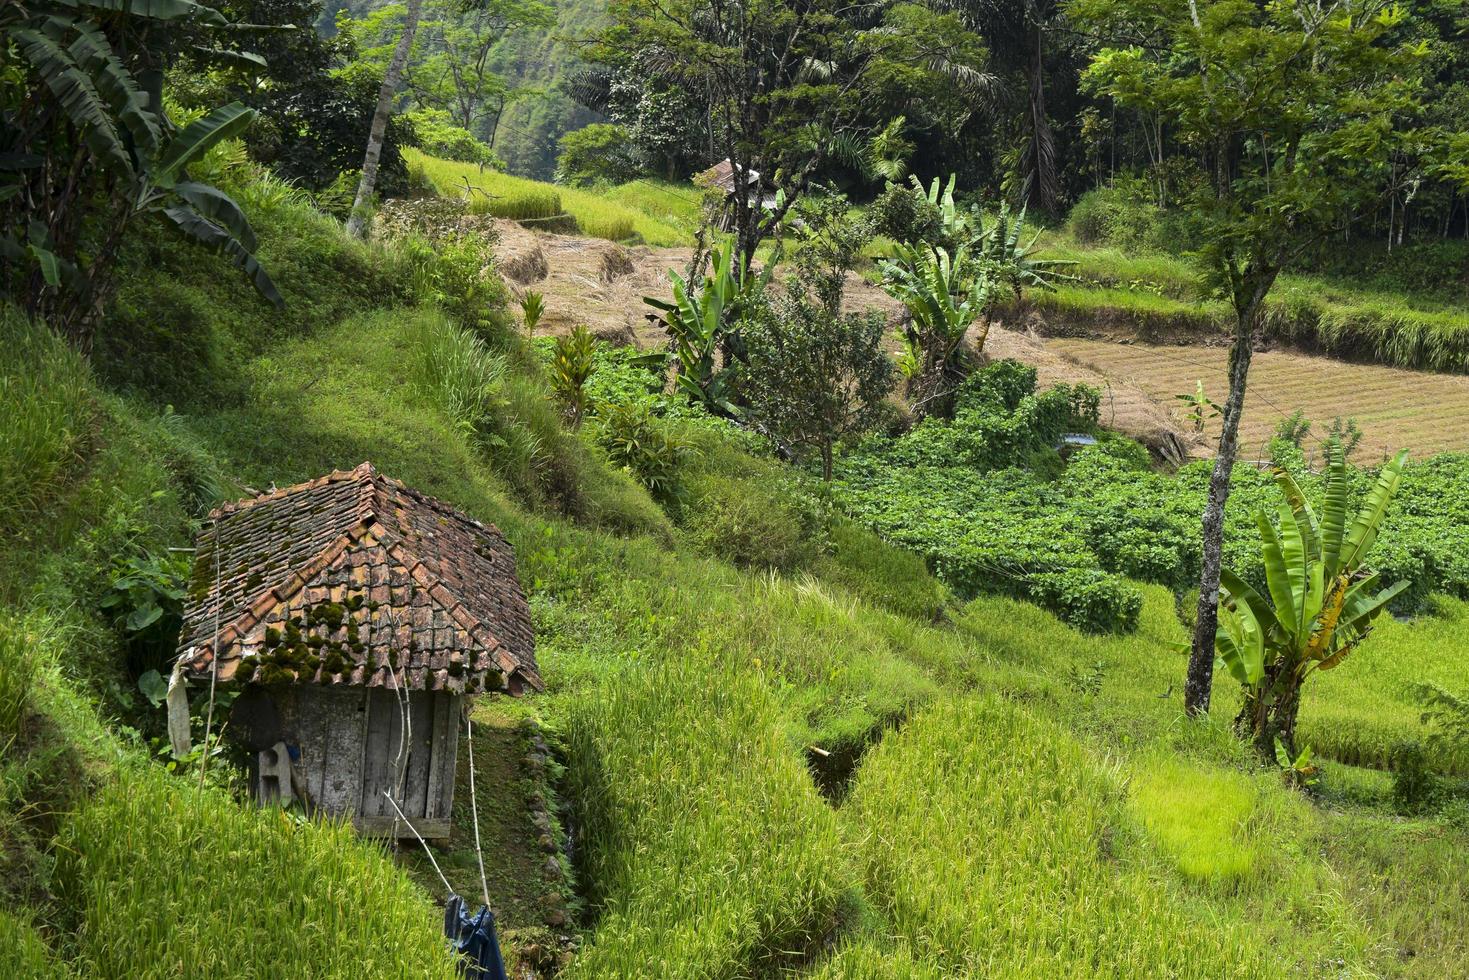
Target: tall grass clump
706, 848
24, 955
996, 846
168, 881
48, 410
504, 413
527, 205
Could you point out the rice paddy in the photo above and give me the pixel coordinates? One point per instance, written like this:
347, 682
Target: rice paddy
1396, 408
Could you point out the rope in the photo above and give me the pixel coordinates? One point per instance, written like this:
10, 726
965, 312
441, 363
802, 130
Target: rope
479, 853
213, 660
447, 887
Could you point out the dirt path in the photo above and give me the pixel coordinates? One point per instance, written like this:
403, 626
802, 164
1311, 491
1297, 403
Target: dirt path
601, 284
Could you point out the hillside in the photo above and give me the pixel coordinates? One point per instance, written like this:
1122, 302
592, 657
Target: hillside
758, 711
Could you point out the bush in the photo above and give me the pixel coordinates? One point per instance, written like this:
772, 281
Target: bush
596, 153
643, 445
1124, 216
905, 216
753, 524
435, 132
1415, 784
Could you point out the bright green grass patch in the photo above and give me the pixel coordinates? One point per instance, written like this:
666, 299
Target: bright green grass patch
48, 408
510, 196
677, 205
994, 843
173, 882
1199, 817
708, 848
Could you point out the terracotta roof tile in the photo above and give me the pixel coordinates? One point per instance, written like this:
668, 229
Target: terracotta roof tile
353, 578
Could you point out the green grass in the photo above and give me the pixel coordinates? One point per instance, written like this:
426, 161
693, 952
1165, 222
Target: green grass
676, 204
49, 414
1156, 293
169, 881
1360, 712
708, 849
23, 953
1199, 818
996, 846
1020, 799
596, 215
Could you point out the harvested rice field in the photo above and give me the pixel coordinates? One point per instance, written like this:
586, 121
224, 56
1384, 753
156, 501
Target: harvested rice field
1396, 408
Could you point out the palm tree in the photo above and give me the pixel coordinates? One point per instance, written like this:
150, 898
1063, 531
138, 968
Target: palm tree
1018, 34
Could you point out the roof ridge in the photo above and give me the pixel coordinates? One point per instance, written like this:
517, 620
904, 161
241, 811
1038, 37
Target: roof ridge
362, 470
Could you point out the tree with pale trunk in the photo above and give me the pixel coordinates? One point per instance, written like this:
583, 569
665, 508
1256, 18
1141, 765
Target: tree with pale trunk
1294, 110
357, 222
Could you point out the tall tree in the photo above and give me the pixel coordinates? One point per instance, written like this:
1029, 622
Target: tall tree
786, 87
357, 223
1295, 107
1021, 36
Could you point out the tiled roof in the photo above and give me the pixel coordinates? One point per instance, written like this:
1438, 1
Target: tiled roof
355, 579
722, 176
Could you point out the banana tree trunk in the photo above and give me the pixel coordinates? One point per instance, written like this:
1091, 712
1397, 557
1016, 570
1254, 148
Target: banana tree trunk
357, 223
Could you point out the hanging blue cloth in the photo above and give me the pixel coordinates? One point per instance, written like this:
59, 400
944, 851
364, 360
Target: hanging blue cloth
474, 938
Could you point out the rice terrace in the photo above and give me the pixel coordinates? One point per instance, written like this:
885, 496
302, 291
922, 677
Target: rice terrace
734, 489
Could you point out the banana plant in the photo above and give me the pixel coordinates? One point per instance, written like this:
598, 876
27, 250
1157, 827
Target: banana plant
1320, 602
92, 122
703, 326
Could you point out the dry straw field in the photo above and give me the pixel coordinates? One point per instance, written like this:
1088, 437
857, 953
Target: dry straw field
1396, 408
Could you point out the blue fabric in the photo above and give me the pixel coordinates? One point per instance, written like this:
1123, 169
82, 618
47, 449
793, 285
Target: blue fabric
474, 938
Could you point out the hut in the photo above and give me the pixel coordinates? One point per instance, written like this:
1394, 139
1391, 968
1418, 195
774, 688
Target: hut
721, 178
354, 616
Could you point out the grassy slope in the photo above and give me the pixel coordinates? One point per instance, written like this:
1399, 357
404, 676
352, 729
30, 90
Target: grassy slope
597, 215
689, 693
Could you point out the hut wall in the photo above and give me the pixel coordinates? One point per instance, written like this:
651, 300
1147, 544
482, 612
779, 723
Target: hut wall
352, 748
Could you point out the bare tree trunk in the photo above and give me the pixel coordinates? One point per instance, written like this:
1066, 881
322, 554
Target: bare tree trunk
357, 223
1201, 660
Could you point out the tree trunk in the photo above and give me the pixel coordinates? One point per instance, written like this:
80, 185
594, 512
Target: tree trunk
1201, 660
357, 223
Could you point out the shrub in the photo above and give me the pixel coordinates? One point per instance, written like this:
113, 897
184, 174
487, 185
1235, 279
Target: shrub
1089, 599
435, 132
596, 153
904, 216
754, 524
641, 443
1415, 784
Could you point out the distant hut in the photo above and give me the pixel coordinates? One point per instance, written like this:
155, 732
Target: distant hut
721, 177
355, 615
